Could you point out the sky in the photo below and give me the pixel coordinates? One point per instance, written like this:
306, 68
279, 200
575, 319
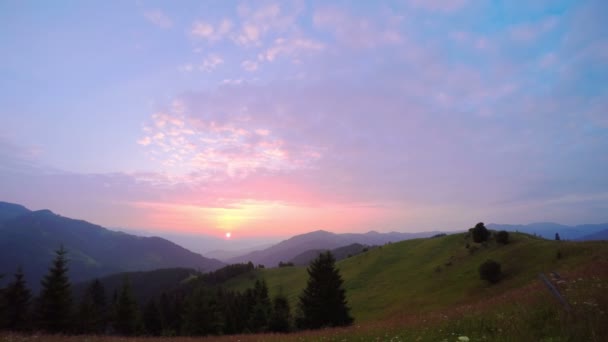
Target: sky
273, 118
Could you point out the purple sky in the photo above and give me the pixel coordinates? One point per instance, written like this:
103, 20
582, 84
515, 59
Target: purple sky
275, 118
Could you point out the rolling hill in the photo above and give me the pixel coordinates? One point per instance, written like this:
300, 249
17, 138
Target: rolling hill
424, 275
29, 239
319, 240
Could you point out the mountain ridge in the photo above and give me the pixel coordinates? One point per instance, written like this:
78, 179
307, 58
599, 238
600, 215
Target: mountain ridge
320, 240
30, 239
548, 230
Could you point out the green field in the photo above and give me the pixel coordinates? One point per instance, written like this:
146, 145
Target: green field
426, 275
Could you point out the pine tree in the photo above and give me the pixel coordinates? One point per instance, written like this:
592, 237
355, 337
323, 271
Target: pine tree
17, 301
3, 307
261, 308
55, 302
281, 315
126, 315
168, 318
152, 319
201, 314
92, 313
323, 301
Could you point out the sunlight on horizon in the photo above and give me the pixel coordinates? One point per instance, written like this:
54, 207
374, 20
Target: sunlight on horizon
272, 118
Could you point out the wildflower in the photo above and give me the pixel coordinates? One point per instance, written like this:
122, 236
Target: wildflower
463, 339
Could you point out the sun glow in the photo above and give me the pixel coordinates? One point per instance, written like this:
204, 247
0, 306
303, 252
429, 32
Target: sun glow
228, 235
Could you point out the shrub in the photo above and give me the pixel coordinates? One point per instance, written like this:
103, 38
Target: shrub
502, 237
490, 271
480, 233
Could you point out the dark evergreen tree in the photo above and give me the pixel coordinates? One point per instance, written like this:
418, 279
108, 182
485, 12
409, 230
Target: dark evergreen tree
126, 313
260, 313
17, 301
55, 302
169, 319
323, 301
152, 319
480, 233
93, 312
557, 238
201, 315
280, 319
3, 307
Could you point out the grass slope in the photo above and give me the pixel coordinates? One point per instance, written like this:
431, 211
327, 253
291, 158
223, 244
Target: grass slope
425, 275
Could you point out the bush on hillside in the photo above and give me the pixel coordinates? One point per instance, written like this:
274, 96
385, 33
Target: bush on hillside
490, 270
479, 233
502, 237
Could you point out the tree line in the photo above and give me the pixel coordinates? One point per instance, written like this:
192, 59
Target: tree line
202, 307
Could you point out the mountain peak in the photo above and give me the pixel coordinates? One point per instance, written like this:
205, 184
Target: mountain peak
318, 232
44, 212
11, 210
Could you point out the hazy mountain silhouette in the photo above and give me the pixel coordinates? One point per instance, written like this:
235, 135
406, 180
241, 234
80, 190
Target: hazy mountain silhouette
223, 254
320, 240
601, 235
11, 210
548, 229
339, 253
29, 239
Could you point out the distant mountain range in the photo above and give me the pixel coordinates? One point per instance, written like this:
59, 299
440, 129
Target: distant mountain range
223, 254
339, 253
29, 239
601, 235
320, 240
548, 229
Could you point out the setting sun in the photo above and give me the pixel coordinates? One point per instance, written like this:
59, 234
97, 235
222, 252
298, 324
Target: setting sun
228, 235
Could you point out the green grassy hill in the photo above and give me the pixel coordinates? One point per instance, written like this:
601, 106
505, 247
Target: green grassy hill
425, 275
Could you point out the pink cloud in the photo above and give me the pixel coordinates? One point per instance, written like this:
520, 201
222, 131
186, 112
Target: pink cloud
211, 32
158, 18
211, 62
249, 65
356, 31
257, 22
216, 149
291, 47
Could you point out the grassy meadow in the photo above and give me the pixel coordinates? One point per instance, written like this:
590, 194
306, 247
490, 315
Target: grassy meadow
429, 290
